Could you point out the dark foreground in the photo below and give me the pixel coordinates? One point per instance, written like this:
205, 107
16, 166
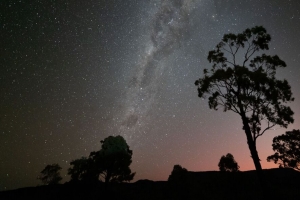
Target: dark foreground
281, 184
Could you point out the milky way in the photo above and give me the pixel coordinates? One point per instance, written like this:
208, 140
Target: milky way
74, 72
168, 28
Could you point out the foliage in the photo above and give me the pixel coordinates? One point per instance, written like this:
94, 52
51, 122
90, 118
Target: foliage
178, 174
287, 150
113, 160
243, 81
83, 170
228, 164
50, 174
110, 164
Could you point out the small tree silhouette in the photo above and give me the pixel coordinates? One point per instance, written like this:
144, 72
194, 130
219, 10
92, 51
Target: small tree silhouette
287, 150
113, 160
178, 174
83, 169
110, 164
228, 164
50, 174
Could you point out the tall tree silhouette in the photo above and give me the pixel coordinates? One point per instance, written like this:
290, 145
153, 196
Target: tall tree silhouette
243, 80
287, 150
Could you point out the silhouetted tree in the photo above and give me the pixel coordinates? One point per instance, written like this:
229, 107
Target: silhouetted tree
50, 174
243, 81
83, 169
113, 160
228, 164
178, 174
110, 164
179, 183
287, 150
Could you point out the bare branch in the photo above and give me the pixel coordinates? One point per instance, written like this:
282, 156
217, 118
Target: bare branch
269, 127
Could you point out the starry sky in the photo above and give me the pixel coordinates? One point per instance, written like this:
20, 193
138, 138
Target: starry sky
74, 72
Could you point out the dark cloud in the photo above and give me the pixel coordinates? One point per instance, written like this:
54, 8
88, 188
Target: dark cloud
130, 121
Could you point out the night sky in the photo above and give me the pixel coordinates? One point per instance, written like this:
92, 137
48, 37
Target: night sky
74, 72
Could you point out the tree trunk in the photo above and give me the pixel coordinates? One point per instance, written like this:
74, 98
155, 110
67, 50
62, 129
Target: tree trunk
252, 146
250, 139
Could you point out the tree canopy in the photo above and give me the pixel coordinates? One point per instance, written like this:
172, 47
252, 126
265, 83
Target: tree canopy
83, 170
228, 164
243, 80
109, 164
287, 150
114, 159
50, 175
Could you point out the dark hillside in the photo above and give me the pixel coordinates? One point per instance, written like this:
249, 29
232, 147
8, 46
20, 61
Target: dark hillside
284, 184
